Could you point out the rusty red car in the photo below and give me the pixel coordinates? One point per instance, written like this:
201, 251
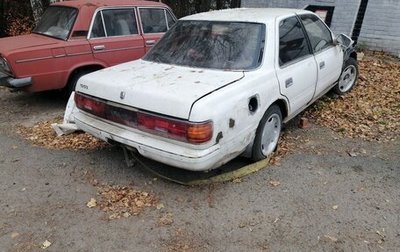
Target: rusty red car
74, 38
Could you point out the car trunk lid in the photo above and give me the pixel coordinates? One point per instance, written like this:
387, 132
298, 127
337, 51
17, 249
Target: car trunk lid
159, 88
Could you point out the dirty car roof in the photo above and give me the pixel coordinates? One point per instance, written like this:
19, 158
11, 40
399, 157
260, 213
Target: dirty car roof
100, 3
258, 15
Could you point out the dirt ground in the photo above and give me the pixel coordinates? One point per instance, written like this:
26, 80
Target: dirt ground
331, 193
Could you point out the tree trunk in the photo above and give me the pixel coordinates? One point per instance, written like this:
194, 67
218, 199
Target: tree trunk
37, 9
3, 25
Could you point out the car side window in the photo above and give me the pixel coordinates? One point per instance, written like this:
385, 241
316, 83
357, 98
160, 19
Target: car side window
319, 35
170, 20
153, 20
118, 22
98, 27
292, 41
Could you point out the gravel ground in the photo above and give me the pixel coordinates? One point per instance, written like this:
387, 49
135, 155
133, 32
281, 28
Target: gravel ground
331, 193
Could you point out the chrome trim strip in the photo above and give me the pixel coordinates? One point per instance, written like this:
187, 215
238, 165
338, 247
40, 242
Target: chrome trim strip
51, 57
33, 59
77, 54
120, 49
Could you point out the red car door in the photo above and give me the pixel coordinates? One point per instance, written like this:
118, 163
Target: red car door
115, 38
154, 22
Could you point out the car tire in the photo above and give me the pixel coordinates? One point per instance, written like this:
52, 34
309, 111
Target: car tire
348, 77
267, 134
73, 80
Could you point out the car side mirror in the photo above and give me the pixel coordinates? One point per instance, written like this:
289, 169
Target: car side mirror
343, 40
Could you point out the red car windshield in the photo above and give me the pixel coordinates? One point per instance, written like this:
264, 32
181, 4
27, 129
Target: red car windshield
57, 22
211, 44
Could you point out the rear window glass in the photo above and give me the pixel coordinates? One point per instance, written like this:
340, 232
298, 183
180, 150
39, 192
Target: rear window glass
215, 45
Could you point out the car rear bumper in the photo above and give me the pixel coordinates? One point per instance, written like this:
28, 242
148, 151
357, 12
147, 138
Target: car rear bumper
8, 81
151, 147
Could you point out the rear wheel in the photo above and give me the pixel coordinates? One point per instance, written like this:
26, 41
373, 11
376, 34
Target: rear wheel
347, 78
267, 135
73, 80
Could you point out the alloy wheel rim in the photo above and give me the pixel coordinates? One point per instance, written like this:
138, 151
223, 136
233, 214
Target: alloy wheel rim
347, 78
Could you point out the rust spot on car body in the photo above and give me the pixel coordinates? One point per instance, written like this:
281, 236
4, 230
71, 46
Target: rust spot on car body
231, 123
219, 137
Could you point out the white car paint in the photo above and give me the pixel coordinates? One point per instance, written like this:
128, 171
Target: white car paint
173, 88
197, 95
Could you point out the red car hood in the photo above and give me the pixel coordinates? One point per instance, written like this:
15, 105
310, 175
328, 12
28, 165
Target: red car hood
12, 44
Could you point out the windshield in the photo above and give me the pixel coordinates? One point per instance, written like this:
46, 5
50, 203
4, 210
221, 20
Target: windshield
210, 44
57, 22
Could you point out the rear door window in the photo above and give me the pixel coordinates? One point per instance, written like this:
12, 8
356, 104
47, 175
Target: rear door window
155, 20
114, 22
292, 41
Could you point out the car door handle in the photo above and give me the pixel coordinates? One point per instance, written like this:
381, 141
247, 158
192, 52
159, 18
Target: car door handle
289, 82
150, 42
99, 47
321, 64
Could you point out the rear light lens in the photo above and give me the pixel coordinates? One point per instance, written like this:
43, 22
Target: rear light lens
92, 106
200, 132
177, 129
180, 130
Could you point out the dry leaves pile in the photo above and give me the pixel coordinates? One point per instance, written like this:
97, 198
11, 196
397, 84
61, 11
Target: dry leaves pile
371, 111
124, 201
42, 134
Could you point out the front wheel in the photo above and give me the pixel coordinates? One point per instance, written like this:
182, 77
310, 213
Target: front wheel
348, 77
267, 134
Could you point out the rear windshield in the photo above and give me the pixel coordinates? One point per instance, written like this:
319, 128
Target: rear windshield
57, 22
210, 44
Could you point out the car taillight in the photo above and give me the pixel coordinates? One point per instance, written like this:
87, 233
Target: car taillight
90, 105
180, 130
176, 129
200, 133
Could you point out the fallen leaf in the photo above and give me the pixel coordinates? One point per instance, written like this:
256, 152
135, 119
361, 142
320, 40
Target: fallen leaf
92, 203
274, 183
46, 244
166, 219
242, 225
352, 154
379, 233
14, 235
237, 180
331, 238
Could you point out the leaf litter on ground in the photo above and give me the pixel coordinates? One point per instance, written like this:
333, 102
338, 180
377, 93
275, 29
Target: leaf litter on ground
124, 201
42, 134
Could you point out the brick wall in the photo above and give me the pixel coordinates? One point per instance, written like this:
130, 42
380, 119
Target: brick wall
343, 16
380, 29
381, 26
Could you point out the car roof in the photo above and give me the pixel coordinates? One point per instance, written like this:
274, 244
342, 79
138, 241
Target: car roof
257, 15
100, 3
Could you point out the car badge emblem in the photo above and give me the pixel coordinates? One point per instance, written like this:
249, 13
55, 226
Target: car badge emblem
122, 95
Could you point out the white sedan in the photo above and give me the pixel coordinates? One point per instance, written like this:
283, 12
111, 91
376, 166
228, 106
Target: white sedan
217, 85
